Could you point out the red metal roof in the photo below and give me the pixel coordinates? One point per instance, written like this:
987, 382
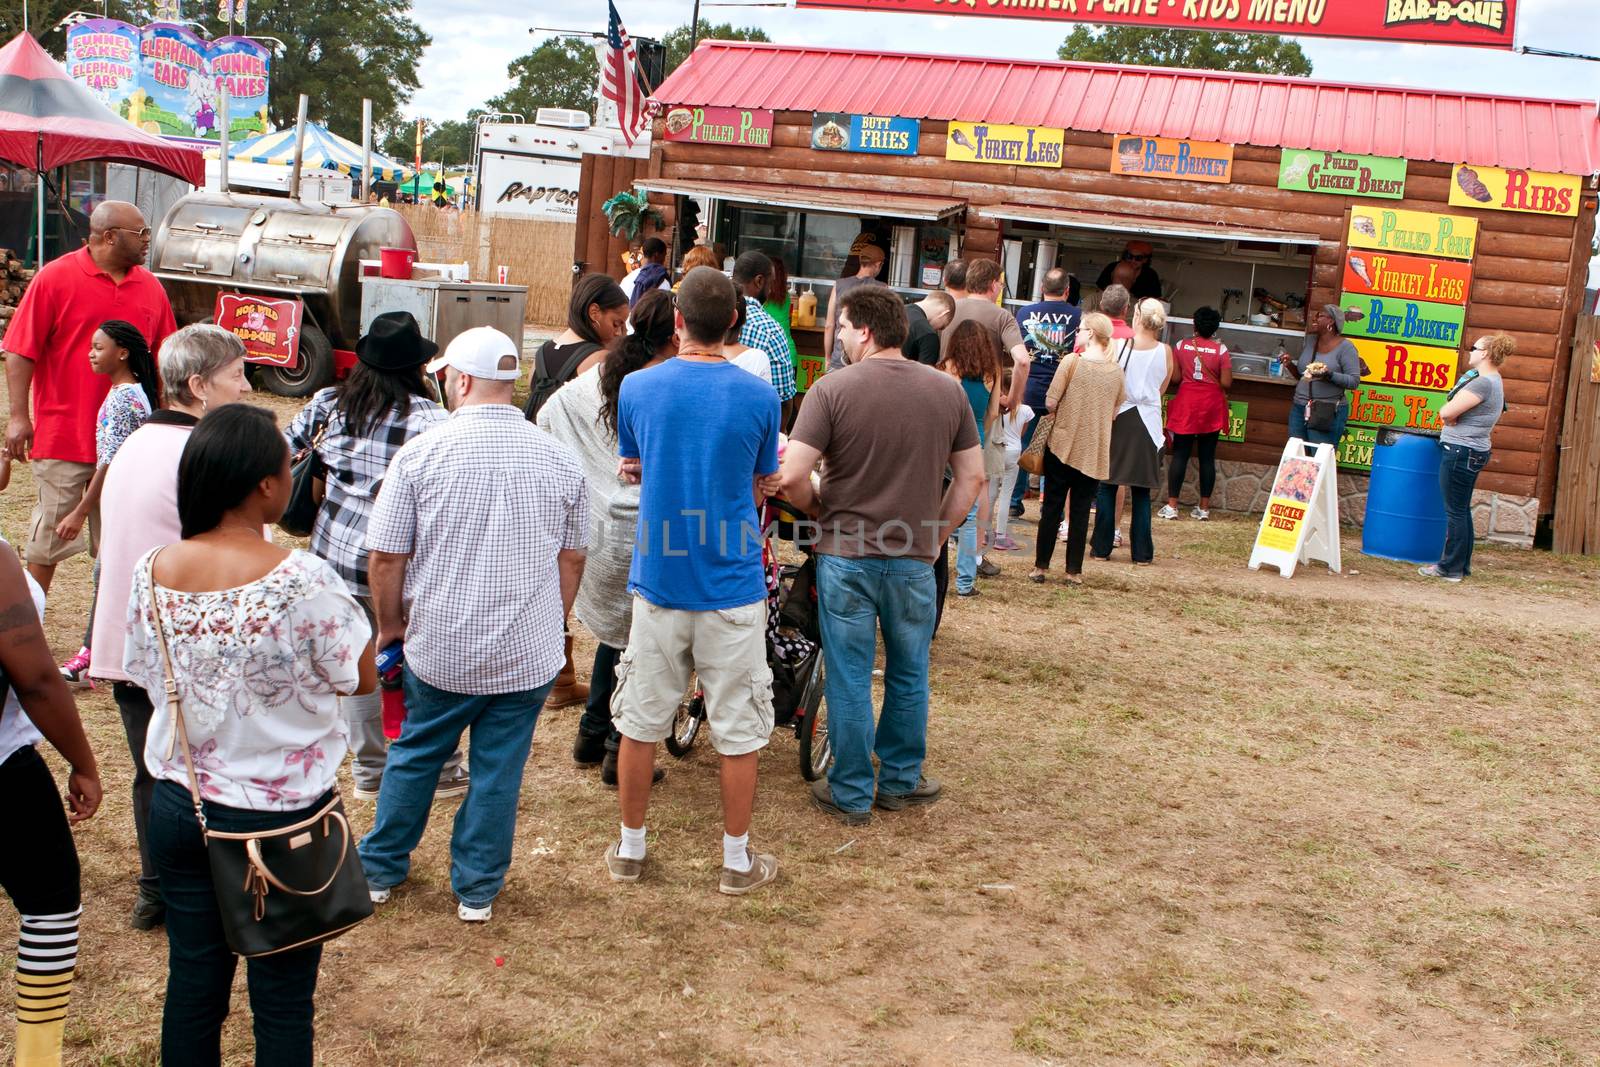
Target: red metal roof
1561, 136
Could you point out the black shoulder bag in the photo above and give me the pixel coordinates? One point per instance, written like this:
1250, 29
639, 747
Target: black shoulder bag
276, 889
307, 485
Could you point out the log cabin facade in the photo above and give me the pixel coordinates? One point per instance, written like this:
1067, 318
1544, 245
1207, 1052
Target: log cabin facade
1252, 233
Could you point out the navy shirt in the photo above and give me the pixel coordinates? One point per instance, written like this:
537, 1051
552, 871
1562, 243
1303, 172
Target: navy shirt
702, 432
1055, 321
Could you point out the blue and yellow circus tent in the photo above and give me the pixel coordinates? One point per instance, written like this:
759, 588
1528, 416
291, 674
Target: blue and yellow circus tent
324, 151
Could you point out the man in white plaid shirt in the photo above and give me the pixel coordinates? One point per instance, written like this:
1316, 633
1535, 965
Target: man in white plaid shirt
477, 549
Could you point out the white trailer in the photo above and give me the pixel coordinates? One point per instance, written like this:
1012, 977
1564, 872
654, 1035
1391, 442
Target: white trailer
530, 169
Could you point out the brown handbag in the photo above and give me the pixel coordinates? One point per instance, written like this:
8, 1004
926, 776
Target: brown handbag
1032, 458
321, 889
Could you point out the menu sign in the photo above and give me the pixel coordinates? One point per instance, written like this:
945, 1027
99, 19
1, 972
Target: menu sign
1420, 232
993, 142
1532, 191
1486, 23
873, 134
1161, 157
1393, 319
740, 127
1402, 409
1347, 175
1383, 274
1413, 366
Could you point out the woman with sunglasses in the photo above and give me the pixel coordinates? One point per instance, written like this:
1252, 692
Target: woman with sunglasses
1469, 416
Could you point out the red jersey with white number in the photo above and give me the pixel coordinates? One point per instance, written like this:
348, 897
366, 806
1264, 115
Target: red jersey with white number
1200, 405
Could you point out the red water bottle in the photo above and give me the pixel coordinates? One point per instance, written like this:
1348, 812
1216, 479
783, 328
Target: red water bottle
394, 704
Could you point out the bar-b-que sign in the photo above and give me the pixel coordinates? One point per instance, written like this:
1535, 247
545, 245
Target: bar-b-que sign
736, 126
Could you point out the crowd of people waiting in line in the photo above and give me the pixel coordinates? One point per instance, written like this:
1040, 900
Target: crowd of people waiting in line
468, 531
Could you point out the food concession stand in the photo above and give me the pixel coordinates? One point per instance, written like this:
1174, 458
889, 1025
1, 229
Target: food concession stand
1432, 217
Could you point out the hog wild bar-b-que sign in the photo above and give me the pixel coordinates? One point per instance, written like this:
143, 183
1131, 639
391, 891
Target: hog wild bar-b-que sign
1484, 23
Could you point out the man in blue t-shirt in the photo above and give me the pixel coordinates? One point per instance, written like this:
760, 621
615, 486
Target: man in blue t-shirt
701, 437
1049, 329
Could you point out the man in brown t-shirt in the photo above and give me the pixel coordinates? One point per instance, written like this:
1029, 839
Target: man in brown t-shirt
983, 290
887, 427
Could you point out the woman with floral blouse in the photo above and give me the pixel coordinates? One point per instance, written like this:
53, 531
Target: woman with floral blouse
264, 641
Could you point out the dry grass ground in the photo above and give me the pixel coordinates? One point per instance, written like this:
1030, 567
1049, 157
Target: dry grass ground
1194, 815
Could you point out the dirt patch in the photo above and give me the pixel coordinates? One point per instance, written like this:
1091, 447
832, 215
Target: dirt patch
1195, 815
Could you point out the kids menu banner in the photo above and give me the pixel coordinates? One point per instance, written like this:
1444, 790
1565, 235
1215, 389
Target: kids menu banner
166, 80
1482, 23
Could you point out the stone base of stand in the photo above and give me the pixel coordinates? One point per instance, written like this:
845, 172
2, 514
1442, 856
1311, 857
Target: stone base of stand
1244, 488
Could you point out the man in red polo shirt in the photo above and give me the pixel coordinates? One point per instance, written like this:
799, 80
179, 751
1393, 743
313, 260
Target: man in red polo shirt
47, 362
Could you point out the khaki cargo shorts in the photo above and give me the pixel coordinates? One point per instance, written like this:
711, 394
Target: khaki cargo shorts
60, 484
727, 649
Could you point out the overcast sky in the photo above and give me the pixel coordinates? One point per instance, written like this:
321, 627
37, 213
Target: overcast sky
474, 40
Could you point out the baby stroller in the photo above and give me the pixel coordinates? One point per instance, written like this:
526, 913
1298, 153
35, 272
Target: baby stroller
794, 652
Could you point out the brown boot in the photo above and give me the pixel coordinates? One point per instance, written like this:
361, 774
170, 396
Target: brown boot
568, 690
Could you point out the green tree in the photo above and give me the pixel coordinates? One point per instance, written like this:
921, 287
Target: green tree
449, 142
561, 72
336, 52
42, 18
677, 41
1252, 53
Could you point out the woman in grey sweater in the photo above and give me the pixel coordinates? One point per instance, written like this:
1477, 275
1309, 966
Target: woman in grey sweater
583, 416
1327, 368
1469, 415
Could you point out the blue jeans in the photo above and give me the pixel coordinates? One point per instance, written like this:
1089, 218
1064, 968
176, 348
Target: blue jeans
1298, 428
967, 552
501, 729
1022, 476
1459, 468
200, 964
857, 597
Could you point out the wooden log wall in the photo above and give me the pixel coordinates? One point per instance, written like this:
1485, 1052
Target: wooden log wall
595, 247
1527, 275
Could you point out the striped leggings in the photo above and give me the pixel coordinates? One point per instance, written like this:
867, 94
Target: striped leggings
39, 871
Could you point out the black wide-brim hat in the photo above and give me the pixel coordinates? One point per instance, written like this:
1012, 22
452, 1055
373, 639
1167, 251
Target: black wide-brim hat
394, 342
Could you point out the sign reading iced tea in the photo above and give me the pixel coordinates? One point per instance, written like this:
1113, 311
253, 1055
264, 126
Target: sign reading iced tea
1403, 409
740, 127
1418, 232
1531, 191
1383, 274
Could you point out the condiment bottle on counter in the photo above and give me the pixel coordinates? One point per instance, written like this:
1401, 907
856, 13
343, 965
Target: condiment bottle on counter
806, 306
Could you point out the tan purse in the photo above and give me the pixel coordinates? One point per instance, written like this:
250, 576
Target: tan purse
321, 887
1032, 458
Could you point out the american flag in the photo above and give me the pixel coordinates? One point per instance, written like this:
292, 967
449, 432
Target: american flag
620, 79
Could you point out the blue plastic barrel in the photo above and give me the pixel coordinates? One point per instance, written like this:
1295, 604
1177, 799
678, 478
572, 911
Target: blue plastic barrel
1405, 509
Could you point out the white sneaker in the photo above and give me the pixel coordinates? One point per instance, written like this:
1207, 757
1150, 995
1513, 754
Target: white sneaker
474, 915
1168, 512
1200, 513
363, 793
379, 896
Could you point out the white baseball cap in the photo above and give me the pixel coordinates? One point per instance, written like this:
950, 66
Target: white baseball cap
478, 352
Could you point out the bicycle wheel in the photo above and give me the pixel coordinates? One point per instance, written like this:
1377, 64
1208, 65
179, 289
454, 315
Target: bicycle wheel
816, 750
686, 723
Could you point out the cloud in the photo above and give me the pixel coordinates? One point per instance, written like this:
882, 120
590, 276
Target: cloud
474, 40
